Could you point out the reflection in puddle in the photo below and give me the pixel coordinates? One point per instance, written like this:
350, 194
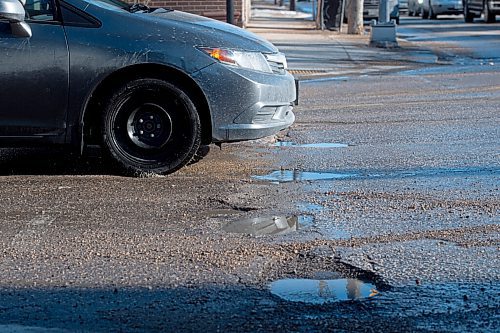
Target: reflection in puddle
296, 175
276, 225
305, 221
310, 145
322, 291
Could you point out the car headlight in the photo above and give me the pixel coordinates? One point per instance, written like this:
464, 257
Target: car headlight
250, 60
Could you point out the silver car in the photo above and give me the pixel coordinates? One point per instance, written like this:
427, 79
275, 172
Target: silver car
415, 7
148, 85
432, 8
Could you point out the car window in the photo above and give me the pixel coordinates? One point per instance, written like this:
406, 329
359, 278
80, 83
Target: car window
39, 10
110, 4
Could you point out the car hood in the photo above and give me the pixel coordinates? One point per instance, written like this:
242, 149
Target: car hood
175, 25
213, 33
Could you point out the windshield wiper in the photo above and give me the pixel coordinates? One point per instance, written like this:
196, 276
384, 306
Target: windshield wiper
138, 7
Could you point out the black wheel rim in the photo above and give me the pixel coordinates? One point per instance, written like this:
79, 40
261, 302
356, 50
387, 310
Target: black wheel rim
149, 126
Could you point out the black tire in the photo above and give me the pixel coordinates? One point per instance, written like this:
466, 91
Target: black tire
468, 16
425, 14
489, 17
150, 127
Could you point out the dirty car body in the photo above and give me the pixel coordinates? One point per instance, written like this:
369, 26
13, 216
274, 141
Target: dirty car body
148, 85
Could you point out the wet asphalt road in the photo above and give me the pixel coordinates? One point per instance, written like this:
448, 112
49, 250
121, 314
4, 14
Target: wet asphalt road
408, 201
453, 38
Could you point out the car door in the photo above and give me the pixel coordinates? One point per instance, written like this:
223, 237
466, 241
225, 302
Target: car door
34, 76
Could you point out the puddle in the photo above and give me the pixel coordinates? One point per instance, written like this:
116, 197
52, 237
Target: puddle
310, 207
283, 176
310, 145
305, 221
322, 291
296, 175
276, 225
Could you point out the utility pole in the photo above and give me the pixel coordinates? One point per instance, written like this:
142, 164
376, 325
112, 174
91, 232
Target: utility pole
355, 17
383, 12
230, 11
383, 33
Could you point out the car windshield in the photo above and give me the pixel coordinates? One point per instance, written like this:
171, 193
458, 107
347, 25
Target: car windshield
118, 4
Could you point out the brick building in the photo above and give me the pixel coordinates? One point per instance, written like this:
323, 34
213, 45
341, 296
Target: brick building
210, 8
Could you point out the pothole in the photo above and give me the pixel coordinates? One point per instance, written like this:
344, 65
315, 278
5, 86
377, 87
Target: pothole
297, 175
275, 225
310, 207
323, 291
282, 176
310, 145
221, 211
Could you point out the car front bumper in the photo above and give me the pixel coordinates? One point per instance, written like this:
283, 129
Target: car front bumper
494, 6
245, 104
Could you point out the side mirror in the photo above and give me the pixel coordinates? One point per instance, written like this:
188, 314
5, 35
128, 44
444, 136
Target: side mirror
13, 11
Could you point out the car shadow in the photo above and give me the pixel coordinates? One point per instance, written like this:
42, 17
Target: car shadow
50, 161
57, 161
235, 308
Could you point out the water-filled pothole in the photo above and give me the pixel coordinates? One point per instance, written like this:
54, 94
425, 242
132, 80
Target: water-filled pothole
275, 225
322, 291
311, 145
310, 207
283, 176
296, 175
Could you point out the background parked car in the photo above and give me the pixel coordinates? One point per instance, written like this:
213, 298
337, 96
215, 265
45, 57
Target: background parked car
415, 7
370, 10
474, 8
403, 7
432, 8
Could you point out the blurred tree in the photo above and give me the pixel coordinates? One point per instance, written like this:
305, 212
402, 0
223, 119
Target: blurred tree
354, 16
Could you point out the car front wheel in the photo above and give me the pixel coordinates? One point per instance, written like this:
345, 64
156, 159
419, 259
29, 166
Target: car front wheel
489, 17
468, 17
432, 15
150, 126
425, 14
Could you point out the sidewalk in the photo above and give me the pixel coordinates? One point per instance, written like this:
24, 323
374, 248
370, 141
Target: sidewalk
314, 53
